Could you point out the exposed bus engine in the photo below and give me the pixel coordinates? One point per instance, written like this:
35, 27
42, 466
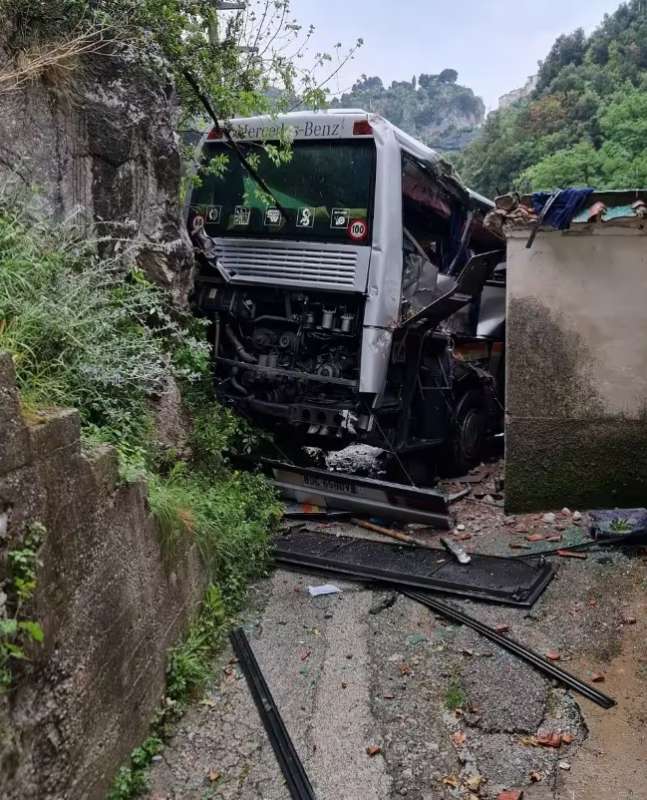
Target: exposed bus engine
352, 289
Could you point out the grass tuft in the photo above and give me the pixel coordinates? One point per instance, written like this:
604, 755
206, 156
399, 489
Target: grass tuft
455, 696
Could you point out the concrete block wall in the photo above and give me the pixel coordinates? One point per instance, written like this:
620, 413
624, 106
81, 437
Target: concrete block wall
576, 425
109, 606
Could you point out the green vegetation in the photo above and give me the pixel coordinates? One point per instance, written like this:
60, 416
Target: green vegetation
620, 526
189, 668
455, 697
188, 663
17, 631
228, 516
132, 781
246, 61
586, 122
434, 108
85, 332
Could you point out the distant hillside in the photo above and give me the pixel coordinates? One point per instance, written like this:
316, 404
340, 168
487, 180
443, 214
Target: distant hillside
585, 122
433, 108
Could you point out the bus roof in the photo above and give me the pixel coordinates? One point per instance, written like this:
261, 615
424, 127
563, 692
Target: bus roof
342, 123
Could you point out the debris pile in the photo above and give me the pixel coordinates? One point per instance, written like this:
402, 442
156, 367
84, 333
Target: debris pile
420, 570
561, 208
509, 210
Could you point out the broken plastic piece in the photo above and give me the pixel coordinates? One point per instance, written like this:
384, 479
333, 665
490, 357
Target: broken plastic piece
571, 554
321, 591
456, 550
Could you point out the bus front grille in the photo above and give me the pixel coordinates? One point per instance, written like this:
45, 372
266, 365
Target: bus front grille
260, 262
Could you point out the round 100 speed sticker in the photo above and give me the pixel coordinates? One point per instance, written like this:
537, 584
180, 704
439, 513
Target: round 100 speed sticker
358, 229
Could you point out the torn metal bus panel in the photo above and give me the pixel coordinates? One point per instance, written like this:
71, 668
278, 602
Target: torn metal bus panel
521, 651
343, 492
291, 766
344, 286
489, 578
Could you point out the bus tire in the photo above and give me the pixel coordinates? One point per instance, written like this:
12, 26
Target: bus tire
466, 448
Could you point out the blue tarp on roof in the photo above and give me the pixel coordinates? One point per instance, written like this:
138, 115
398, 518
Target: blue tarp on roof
565, 207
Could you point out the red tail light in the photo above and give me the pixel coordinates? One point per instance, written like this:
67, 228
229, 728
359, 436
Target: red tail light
362, 128
214, 133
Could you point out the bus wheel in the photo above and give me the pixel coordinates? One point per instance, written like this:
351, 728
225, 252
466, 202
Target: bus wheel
467, 445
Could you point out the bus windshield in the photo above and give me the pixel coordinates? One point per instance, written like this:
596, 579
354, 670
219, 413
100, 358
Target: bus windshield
325, 190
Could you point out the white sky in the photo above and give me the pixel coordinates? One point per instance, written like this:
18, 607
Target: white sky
494, 44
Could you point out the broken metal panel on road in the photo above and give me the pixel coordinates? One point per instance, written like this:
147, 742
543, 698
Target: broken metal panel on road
360, 495
523, 652
317, 516
488, 578
291, 766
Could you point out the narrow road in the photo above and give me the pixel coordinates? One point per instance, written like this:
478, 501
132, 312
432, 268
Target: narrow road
453, 716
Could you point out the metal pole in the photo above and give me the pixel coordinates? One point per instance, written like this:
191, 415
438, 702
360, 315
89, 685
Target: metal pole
519, 650
291, 766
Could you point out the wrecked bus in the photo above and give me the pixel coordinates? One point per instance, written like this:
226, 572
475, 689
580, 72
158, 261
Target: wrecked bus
354, 293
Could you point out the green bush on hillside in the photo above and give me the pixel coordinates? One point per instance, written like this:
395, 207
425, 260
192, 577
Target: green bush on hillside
583, 125
84, 332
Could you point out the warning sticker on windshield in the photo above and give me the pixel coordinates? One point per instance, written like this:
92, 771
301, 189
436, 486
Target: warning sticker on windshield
306, 217
358, 230
273, 217
242, 216
339, 218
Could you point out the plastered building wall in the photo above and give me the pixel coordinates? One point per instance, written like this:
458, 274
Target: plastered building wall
576, 423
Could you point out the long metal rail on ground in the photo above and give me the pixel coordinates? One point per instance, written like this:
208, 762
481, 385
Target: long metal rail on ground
529, 656
343, 492
637, 539
291, 766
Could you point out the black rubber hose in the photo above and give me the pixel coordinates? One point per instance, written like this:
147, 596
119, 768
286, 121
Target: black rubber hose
242, 354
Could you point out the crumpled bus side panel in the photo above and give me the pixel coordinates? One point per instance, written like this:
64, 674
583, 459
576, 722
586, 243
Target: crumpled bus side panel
385, 271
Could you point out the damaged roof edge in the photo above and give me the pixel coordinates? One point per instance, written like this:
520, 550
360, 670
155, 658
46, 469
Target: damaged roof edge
610, 206
427, 154
514, 215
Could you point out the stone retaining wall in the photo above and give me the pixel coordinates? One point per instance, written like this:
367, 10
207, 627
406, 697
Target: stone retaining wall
109, 606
